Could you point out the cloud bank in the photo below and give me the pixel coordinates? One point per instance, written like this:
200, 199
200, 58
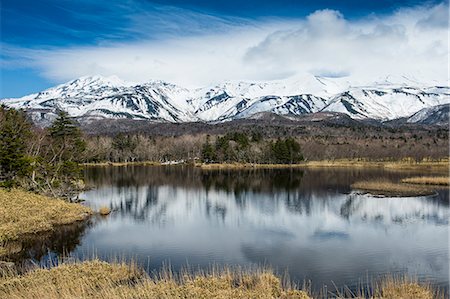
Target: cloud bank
411, 42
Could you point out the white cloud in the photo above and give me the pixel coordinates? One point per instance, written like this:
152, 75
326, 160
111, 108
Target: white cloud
410, 42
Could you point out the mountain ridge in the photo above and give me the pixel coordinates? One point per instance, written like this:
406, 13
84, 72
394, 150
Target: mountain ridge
98, 97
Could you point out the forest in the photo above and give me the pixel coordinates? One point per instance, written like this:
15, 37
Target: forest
47, 160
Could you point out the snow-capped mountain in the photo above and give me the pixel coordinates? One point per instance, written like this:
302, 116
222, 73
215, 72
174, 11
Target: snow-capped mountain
437, 115
386, 102
109, 97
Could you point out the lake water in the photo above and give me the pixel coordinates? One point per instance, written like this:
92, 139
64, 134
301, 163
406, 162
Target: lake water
306, 222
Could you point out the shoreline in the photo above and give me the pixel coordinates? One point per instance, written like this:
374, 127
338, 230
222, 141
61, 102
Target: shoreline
394, 165
99, 279
25, 215
383, 187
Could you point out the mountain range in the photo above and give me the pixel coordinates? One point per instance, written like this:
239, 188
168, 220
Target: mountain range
97, 97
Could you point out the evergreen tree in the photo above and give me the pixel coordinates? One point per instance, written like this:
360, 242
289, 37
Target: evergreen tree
60, 167
14, 132
208, 154
286, 151
67, 139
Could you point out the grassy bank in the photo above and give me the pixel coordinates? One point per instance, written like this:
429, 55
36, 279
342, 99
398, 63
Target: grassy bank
23, 213
387, 188
428, 180
95, 279
400, 165
143, 163
441, 165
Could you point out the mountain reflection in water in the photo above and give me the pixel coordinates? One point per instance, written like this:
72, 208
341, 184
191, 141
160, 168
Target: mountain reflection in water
306, 221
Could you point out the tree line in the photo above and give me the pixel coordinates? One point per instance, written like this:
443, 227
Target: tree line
240, 147
40, 160
47, 160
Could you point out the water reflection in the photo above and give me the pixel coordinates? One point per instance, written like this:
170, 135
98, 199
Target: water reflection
307, 221
48, 247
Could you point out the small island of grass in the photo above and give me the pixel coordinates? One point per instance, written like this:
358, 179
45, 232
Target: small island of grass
24, 213
388, 188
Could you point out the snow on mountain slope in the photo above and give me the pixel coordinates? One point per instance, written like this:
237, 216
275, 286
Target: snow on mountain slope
386, 102
437, 115
109, 97
99, 97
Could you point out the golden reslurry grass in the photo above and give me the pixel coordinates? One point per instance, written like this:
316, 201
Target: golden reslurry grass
96, 279
101, 280
23, 214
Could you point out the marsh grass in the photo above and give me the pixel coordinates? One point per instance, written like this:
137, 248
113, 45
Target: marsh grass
96, 279
388, 188
141, 163
341, 163
101, 280
23, 213
403, 288
428, 180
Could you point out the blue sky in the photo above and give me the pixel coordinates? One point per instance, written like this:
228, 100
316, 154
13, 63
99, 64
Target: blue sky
51, 41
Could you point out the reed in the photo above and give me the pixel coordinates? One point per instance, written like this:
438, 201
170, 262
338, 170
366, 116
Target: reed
101, 280
96, 279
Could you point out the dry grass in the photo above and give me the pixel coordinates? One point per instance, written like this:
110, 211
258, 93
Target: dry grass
428, 180
246, 166
406, 289
341, 163
384, 187
143, 163
23, 213
104, 211
101, 280
344, 163
97, 279
441, 165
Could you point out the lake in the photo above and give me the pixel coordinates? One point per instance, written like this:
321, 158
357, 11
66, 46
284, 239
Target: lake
308, 223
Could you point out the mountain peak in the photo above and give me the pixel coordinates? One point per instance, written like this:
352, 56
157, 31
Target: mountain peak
113, 81
110, 97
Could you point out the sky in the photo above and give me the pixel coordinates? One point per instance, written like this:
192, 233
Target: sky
195, 43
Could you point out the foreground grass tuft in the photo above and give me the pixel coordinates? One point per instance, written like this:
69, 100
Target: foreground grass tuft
388, 188
97, 279
23, 213
428, 180
101, 280
405, 289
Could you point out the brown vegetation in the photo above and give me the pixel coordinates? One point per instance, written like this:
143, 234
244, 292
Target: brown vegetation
96, 279
318, 141
24, 213
428, 180
341, 163
405, 289
104, 211
388, 188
